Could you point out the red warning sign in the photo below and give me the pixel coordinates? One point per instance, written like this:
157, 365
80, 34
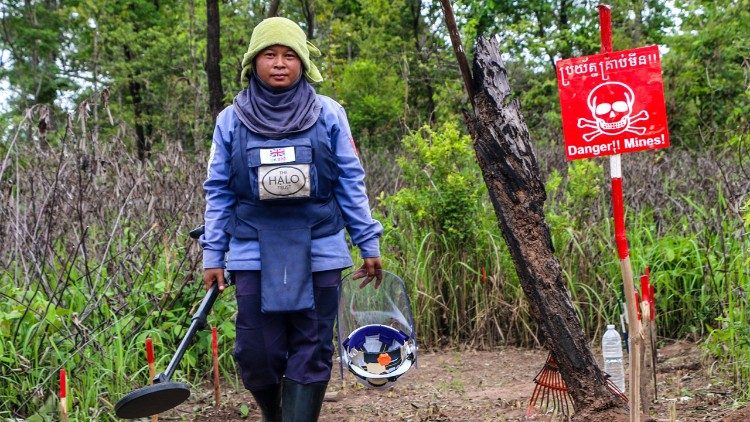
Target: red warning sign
612, 103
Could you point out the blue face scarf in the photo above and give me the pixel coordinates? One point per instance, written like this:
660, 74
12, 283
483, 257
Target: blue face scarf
275, 113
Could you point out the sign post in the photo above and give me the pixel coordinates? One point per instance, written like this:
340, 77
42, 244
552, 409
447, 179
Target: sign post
613, 103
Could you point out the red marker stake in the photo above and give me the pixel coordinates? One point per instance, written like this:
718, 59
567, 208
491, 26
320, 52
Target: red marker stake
151, 366
645, 289
63, 396
636, 334
215, 351
651, 299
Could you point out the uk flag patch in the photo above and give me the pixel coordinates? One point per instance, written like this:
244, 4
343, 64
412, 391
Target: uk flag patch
277, 155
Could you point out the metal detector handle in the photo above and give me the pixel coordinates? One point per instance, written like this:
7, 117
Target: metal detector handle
197, 232
199, 321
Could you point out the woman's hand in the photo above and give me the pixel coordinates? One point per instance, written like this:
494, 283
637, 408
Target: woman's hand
370, 269
214, 275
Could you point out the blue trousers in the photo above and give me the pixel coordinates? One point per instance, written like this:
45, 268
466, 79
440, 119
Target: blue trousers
295, 345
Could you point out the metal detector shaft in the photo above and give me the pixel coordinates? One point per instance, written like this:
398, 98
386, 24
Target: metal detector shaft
198, 322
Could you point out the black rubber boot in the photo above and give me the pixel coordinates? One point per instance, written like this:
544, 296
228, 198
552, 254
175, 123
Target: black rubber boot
302, 402
269, 402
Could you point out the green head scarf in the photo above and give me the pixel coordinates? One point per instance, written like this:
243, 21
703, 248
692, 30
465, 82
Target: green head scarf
281, 31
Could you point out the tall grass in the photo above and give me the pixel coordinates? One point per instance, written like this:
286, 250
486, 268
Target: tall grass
95, 259
95, 255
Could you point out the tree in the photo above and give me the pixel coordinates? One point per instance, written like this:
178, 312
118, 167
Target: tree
31, 33
308, 9
401, 39
706, 72
372, 95
149, 55
511, 173
535, 34
273, 8
213, 58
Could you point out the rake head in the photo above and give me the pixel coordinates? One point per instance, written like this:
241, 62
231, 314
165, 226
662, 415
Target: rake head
550, 394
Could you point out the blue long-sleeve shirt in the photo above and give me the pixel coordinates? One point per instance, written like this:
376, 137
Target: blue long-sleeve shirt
222, 251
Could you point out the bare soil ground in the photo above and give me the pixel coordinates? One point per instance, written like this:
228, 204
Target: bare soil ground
486, 386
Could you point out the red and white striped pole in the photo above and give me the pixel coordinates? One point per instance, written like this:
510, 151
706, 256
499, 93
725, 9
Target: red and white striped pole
215, 352
635, 337
151, 367
63, 396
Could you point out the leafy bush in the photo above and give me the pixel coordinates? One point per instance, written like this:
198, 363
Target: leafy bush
443, 186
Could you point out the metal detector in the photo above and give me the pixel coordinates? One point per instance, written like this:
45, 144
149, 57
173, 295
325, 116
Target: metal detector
165, 394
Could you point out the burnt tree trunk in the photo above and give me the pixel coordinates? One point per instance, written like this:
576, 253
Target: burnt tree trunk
213, 58
509, 166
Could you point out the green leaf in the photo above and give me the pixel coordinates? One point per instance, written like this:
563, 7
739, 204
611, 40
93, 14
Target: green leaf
244, 410
669, 254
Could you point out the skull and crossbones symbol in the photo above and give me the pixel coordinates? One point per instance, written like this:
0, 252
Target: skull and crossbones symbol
611, 105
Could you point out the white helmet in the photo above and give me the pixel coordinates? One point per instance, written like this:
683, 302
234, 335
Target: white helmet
381, 345
378, 354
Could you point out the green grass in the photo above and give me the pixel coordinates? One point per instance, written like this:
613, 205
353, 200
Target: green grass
105, 355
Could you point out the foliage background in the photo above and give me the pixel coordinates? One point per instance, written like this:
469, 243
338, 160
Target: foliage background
95, 255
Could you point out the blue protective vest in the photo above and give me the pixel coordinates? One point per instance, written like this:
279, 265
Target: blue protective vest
284, 191
320, 212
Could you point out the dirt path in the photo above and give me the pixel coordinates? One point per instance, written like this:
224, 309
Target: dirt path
484, 386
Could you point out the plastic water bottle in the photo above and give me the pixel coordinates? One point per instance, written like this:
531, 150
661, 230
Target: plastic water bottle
612, 352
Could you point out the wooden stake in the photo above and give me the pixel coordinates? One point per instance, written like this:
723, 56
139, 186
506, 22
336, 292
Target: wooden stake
636, 339
215, 350
635, 330
654, 347
646, 362
63, 396
652, 329
151, 367
646, 358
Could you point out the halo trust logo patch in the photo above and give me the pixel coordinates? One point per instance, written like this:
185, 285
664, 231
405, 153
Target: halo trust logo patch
286, 181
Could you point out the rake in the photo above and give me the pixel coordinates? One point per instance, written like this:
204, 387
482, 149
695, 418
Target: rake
551, 393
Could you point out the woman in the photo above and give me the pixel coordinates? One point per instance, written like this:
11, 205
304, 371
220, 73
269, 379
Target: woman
284, 180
